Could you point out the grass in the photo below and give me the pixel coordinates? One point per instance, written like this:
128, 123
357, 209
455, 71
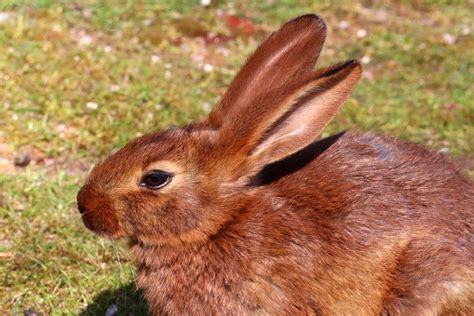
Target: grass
78, 79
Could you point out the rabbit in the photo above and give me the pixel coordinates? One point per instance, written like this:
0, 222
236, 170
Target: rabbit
245, 212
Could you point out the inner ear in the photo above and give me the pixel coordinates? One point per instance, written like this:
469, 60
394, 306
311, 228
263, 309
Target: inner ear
303, 115
278, 169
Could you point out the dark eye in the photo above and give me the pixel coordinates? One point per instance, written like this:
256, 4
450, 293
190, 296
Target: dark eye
155, 179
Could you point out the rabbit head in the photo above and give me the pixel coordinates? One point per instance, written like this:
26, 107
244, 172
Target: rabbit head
182, 184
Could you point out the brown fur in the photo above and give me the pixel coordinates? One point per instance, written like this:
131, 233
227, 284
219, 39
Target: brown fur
260, 219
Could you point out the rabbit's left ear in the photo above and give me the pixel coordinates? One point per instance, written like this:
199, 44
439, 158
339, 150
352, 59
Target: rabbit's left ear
302, 116
281, 59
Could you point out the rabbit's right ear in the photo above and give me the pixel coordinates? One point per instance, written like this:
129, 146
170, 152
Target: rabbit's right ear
281, 58
263, 135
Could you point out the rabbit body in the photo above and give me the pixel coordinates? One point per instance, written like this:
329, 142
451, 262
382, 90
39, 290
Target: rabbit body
243, 213
350, 242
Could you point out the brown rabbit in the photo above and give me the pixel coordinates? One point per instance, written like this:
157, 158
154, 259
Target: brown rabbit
244, 213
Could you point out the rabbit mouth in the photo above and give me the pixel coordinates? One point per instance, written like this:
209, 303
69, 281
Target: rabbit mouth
107, 227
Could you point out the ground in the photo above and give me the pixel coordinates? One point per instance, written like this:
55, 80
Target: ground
79, 79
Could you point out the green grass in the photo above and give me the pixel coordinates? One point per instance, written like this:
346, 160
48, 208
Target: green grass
140, 62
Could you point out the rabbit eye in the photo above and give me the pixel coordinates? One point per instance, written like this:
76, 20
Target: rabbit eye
155, 179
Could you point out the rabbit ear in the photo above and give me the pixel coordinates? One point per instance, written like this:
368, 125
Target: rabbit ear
285, 54
273, 134
304, 114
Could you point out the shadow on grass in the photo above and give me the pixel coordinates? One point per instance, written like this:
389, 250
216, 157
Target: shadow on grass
128, 299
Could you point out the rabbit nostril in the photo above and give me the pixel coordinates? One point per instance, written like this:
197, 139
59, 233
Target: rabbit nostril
81, 208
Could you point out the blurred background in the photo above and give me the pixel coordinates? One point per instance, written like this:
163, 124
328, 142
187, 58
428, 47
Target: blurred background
79, 79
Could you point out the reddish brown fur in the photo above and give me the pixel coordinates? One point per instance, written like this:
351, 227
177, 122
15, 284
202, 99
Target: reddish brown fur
350, 225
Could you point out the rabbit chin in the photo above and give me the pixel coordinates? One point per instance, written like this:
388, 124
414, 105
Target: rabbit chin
193, 236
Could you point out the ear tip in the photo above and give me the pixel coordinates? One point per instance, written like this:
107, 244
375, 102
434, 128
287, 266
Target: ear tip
356, 65
310, 20
353, 66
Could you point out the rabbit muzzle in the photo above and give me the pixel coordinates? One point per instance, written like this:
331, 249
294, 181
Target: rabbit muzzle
98, 213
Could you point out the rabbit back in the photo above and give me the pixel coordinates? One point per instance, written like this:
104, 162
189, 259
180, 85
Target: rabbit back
396, 214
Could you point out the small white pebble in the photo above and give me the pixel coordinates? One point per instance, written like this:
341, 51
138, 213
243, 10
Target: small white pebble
208, 67
61, 128
15, 117
49, 162
444, 150
449, 39
197, 58
223, 51
114, 88
77, 58
112, 310
107, 49
361, 33
159, 106
205, 3
85, 40
365, 60
87, 13
155, 59
206, 107
185, 47
92, 105
381, 15
466, 30
343, 24
4, 16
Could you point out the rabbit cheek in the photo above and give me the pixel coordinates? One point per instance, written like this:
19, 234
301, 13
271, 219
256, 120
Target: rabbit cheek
161, 218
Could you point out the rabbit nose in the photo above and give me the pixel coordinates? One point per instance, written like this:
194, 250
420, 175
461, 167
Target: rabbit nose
82, 209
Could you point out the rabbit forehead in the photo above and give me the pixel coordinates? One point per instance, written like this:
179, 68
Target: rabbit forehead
173, 151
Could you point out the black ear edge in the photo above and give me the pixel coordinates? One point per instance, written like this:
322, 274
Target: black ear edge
296, 161
329, 71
